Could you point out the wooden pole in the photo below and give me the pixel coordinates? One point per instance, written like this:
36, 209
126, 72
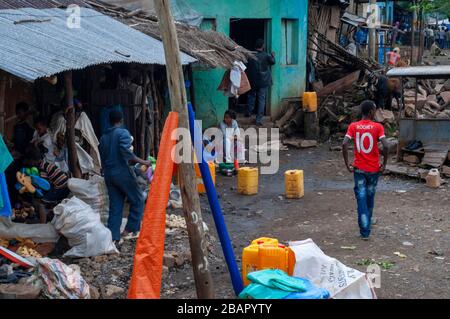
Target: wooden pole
413, 34
188, 185
372, 35
70, 134
143, 116
156, 113
3, 80
421, 36
351, 6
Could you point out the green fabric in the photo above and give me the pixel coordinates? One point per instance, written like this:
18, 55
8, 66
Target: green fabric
5, 157
278, 279
257, 291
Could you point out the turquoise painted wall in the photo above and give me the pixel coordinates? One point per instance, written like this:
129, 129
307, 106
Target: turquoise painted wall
289, 80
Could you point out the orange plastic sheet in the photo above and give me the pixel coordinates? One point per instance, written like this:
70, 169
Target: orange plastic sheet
148, 260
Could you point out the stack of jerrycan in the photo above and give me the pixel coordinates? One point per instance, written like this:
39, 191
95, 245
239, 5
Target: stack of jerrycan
266, 253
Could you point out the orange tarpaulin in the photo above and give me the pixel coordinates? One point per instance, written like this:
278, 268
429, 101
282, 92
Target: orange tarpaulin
148, 260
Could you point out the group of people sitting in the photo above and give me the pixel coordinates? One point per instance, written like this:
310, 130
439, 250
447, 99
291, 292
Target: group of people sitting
37, 145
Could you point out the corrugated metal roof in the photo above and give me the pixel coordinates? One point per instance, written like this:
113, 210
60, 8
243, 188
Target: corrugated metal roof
38, 4
31, 49
437, 71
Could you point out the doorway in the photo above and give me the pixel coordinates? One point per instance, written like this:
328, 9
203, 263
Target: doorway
245, 32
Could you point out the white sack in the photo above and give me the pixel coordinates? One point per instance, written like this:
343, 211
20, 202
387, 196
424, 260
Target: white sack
93, 192
83, 229
329, 273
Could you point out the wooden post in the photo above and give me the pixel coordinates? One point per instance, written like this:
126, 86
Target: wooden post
70, 134
413, 34
372, 36
421, 36
143, 116
156, 113
3, 80
188, 185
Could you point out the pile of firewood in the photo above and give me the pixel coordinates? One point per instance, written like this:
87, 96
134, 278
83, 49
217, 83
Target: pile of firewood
433, 99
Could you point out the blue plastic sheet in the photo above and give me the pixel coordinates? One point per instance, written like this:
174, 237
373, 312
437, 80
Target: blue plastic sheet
276, 284
5, 157
5, 208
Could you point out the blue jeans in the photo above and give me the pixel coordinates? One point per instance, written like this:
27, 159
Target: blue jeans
365, 189
257, 96
121, 186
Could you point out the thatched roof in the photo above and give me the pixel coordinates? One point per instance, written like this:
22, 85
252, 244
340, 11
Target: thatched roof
211, 48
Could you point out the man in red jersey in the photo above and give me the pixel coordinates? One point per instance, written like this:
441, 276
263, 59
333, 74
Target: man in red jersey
366, 167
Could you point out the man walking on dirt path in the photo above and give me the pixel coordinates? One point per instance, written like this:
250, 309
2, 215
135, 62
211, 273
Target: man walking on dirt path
366, 167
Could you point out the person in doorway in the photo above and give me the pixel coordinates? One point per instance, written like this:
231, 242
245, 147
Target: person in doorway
57, 178
22, 131
231, 134
120, 179
260, 78
366, 167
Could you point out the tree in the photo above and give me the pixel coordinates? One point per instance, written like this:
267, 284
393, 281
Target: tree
438, 8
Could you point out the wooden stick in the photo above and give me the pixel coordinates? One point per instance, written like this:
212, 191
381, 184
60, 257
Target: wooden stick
188, 185
3, 80
70, 134
143, 116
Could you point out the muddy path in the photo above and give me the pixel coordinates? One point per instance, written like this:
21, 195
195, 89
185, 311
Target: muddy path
412, 220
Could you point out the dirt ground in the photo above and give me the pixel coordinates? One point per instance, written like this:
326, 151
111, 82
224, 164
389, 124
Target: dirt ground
412, 220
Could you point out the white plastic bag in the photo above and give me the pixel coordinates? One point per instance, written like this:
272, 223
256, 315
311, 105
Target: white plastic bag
329, 273
83, 229
93, 192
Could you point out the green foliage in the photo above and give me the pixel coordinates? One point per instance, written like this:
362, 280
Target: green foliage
383, 264
440, 7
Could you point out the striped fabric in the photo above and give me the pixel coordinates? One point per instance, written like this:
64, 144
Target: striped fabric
56, 177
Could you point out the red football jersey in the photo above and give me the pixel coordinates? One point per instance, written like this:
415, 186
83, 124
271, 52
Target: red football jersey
366, 135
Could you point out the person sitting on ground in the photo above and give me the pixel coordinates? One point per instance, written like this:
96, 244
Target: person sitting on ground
366, 167
231, 134
22, 131
120, 179
435, 50
57, 178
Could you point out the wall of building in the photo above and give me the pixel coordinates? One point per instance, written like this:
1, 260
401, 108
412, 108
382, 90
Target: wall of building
289, 79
